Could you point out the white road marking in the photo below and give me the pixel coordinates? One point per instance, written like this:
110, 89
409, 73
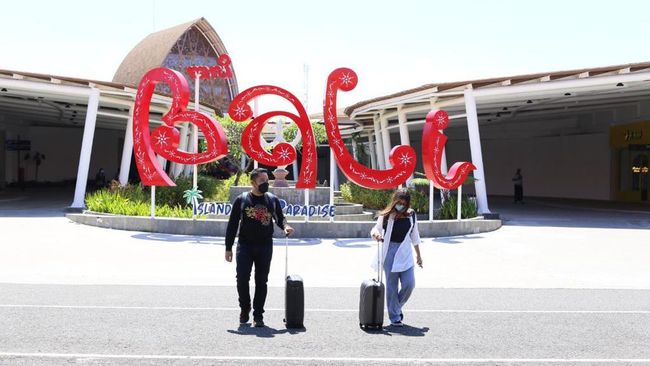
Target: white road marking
322, 359
180, 308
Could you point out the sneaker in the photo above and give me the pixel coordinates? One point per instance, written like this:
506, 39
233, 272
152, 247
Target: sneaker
244, 316
258, 323
396, 324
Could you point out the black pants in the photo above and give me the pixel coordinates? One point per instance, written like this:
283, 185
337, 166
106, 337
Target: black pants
260, 256
519, 193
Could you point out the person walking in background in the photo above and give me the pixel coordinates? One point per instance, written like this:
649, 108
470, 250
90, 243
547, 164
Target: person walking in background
518, 180
100, 179
398, 223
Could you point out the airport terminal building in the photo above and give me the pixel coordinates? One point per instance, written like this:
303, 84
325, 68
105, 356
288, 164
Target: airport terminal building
579, 134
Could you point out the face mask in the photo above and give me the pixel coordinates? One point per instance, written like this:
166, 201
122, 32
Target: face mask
264, 187
399, 207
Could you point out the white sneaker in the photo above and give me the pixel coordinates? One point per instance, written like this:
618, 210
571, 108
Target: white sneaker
396, 324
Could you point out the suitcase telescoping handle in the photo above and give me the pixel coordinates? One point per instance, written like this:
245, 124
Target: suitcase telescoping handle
379, 256
286, 256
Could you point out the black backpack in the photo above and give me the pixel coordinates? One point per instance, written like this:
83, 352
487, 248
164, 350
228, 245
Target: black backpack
269, 199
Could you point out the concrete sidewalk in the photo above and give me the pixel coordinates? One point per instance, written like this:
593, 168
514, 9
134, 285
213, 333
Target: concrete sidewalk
55, 250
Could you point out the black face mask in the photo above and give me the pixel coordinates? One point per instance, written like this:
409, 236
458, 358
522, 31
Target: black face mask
264, 187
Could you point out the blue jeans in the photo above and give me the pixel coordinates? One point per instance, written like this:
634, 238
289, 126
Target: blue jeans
395, 297
247, 256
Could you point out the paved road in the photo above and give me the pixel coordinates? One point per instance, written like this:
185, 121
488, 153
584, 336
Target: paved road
165, 325
556, 285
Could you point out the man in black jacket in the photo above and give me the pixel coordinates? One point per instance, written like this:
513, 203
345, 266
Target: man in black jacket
256, 211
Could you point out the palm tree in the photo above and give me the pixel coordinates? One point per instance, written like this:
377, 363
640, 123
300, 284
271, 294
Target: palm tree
192, 196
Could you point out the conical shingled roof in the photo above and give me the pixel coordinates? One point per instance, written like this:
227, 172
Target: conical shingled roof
152, 51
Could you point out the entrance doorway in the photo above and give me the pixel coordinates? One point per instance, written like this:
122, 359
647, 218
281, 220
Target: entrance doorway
640, 174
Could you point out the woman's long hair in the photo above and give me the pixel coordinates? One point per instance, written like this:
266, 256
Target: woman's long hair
399, 194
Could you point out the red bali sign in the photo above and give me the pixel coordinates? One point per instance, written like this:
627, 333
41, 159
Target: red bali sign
221, 70
164, 140
283, 153
401, 157
433, 143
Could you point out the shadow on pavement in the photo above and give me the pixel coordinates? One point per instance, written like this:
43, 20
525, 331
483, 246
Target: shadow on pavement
455, 239
263, 332
549, 212
354, 243
295, 242
35, 201
175, 238
212, 240
405, 330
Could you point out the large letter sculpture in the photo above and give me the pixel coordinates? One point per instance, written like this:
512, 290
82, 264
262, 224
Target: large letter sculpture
165, 139
433, 143
283, 153
402, 157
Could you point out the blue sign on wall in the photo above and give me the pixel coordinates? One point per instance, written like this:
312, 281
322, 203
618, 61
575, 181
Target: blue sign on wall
18, 145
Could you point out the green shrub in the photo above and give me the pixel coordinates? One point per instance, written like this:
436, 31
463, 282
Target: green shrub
468, 208
378, 199
173, 196
132, 200
208, 185
222, 188
421, 184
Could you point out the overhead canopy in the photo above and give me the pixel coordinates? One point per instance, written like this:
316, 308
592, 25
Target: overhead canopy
504, 98
41, 99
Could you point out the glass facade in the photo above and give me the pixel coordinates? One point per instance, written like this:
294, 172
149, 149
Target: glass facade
193, 49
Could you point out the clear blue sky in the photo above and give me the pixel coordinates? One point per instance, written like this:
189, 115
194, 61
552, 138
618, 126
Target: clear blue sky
392, 45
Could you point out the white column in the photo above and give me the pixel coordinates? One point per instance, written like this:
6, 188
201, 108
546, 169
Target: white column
354, 149
127, 151
404, 137
379, 144
477, 155
385, 137
295, 169
162, 161
443, 162
187, 168
177, 168
443, 168
335, 178
371, 145
195, 136
86, 150
332, 174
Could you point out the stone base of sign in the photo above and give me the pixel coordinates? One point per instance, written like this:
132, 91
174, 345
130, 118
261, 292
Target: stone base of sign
317, 196
280, 178
312, 229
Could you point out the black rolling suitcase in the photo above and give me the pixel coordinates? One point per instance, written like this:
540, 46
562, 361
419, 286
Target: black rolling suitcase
294, 300
371, 303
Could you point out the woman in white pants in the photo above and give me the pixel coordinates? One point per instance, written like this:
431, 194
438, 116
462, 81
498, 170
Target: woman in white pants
398, 223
